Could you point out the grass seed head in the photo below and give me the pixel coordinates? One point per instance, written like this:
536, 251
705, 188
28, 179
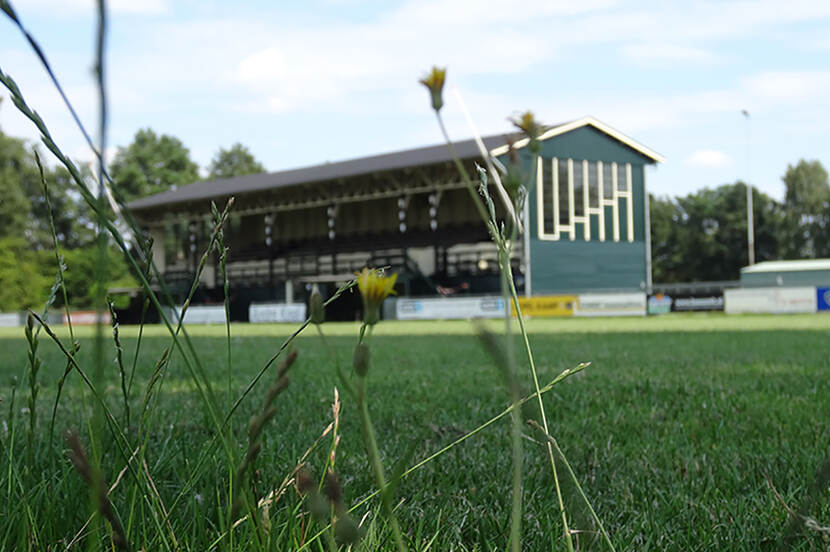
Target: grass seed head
332, 488
346, 531
304, 481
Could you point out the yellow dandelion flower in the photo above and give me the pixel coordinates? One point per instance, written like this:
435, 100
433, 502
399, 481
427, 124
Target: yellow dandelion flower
526, 122
374, 288
434, 81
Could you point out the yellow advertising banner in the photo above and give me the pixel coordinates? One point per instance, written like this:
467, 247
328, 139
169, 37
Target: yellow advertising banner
546, 305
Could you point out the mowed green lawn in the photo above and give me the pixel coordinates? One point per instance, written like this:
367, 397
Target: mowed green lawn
672, 430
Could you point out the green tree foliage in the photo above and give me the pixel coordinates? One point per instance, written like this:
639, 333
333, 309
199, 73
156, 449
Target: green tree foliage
152, 164
807, 207
24, 282
23, 211
27, 262
80, 274
17, 174
236, 161
666, 258
72, 217
703, 236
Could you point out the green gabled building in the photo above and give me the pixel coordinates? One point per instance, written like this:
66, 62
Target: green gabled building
589, 214
587, 231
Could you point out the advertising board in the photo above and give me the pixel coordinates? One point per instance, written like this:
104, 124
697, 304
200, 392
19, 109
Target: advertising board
659, 304
546, 305
770, 300
276, 312
202, 314
711, 303
823, 298
87, 318
449, 308
10, 319
610, 304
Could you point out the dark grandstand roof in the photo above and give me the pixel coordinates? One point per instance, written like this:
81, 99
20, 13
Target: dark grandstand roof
318, 173
429, 155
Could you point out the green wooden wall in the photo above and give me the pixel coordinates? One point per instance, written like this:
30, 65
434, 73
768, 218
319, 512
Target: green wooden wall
818, 278
567, 266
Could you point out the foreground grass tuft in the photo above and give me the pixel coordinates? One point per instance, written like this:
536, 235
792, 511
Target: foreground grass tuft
670, 431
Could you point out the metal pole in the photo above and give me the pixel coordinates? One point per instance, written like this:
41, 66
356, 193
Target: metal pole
647, 201
526, 243
750, 223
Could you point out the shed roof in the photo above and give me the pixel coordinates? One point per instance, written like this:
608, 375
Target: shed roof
787, 266
430, 155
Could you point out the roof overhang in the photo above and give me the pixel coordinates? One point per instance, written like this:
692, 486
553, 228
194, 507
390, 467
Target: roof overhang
799, 265
417, 158
579, 123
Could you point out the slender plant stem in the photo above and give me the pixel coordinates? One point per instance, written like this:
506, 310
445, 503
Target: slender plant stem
101, 273
502, 246
62, 283
374, 460
515, 415
563, 375
538, 393
332, 544
461, 169
549, 438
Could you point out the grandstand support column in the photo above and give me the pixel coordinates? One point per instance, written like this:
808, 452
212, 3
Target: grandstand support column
289, 291
158, 234
647, 217
407, 285
526, 245
191, 240
215, 266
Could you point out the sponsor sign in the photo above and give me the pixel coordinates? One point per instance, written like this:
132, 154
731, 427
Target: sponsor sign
610, 304
659, 304
87, 318
714, 302
10, 319
770, 300
202, 314
546, 305
823, 298
449, 308
277, 312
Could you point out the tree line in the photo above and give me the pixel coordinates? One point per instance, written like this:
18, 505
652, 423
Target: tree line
702, 236
698, 237
151, 163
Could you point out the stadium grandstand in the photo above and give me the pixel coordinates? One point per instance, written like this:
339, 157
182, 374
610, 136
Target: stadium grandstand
587, 225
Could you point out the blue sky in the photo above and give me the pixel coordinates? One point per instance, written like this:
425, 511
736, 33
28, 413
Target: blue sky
302, 83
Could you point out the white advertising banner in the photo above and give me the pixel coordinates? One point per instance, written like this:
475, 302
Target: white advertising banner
610, 304
770, 300
87, 318
10, 319
450, 308
277, 312
202, 314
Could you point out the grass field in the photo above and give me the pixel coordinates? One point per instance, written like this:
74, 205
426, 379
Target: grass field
671, 430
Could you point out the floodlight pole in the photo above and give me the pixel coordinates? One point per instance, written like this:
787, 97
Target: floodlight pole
750, 223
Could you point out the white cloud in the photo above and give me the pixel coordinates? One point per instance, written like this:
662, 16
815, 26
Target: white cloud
129, 7
355, 77
708, 159
665, 53
789, 86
